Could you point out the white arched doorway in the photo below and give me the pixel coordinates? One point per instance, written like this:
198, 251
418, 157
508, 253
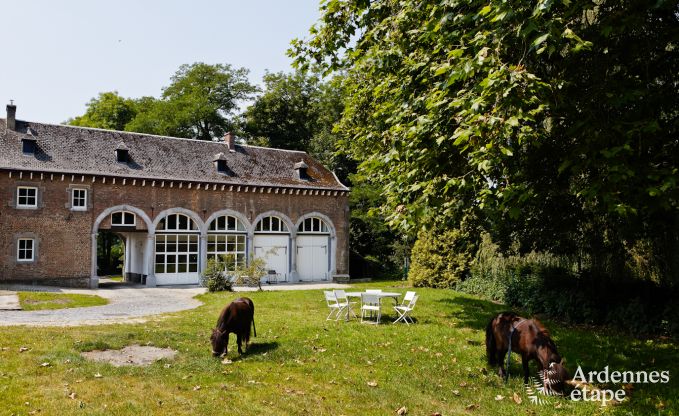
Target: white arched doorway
136, 229
177, 249
314, 249
271, 242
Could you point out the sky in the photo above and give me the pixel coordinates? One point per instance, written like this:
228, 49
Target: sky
57, 55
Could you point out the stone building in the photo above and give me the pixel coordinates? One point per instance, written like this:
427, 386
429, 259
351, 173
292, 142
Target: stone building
174, 202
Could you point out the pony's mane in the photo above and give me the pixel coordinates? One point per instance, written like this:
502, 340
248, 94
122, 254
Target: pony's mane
541, 328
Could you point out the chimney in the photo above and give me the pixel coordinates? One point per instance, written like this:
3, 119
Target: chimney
230, 141
11, 116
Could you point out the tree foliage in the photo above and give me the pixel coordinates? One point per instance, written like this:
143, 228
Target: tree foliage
554, 122
107, 111
200, 103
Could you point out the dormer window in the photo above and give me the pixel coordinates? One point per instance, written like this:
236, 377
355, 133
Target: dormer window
28, 145
301, 169
220, 162
122, 153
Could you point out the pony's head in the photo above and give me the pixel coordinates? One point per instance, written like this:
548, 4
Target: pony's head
554, 377
219, 341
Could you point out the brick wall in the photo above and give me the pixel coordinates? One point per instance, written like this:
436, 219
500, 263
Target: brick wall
64, 236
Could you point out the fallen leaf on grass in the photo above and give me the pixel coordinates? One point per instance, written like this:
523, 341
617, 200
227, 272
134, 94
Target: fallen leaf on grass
517, 398
98, 375
72, 396
471, 407
22, 349
45, 364
499, 397
463, 384
456, 392
196, 388
372, 383
227, 361
436, 414
402, 411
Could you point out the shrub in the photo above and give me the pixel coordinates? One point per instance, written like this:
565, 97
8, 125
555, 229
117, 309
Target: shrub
439, 258
252, 273
215, 278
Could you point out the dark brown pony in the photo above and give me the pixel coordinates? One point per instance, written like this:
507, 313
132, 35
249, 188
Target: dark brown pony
530, 339
236, 317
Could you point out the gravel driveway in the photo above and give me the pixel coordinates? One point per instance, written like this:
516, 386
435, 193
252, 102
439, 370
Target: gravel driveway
127, 304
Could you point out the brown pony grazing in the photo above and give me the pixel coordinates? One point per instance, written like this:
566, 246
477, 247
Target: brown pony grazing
236, 317
529, 338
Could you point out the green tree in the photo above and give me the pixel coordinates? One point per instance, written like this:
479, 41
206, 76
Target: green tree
284, 116
200, 102
107, 111
555, 120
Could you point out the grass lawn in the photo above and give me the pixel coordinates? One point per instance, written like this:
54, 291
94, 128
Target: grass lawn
35, 301
302, 364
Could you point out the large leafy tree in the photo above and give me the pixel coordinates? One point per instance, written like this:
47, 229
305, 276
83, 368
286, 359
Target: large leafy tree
553, 122
200, 103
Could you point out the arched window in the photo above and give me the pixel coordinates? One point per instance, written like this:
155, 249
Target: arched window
177, 223
271, 224
313, 225
227, 240
123, 219
227, 223
176, 245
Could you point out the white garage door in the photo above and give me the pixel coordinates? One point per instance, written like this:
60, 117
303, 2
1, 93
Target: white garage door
274, 250
313, 262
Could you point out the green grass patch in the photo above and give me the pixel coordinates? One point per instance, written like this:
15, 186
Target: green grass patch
302, 364
35, 301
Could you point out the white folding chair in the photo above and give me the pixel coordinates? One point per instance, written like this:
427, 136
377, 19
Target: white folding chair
343, 302
405, 310
407, 298
370, 305
335, 307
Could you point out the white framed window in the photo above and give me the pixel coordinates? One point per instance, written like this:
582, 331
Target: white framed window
123, 218
79, 199
27, 197
176, 253
25, 250
226, 240
313, 225
271, 224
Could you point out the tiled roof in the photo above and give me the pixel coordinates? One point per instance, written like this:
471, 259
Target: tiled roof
80, 150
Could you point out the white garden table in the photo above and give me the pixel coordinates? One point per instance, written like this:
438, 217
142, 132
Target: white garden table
380, 295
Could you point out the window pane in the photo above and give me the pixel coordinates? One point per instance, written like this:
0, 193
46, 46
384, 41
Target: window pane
193, 267
160, 268
193, 258
171, 243
182, 244
317, 225
170, 268
231, 226
183, 222
117, 218
161, 224
266, 224
129, 218
275, 224
172, 222
182, 267
160, 260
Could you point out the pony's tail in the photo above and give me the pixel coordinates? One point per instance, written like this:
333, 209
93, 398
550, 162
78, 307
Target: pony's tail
491, 348
253, 325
